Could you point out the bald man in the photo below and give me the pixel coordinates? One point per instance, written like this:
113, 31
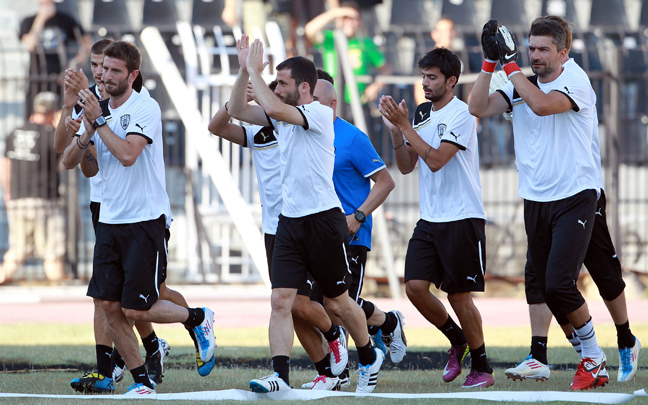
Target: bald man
356, 161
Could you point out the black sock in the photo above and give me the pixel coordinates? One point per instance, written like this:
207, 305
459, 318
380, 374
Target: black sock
390, 323
625, 338
117, 359
479, 360
281, 366
141, 376
104, 360
323, 366
366, 354
539, 348
150, 343
453, 332
196, 316
373, 330
332, 334
192, 335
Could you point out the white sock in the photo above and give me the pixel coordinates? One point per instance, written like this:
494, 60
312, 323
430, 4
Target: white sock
576, 343
588, 341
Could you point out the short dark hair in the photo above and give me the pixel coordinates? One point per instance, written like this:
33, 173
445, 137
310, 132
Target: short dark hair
99, 46
444, 59
301, 70
550, 27
324, 75
566, 26
127, 52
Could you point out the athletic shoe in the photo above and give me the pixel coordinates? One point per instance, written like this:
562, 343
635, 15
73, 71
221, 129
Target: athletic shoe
339, 353
455, 360
93, 383
368, 375
204, 368
591, 373
205, 336
139, 389
269, 383
529, 368
478, 379
628, 362
155, 362
396, 340
118, 373
324, 383
378, 342
345, 381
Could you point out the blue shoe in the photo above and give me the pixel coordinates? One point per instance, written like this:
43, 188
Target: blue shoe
378, 342
204, 368
205, 336
93, 383
628, 362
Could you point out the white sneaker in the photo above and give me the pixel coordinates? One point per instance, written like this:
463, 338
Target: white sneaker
339, 353
628, 362
529, 368
118, 373
396, 340
205, 336
138, 390
324, 383
269, 383
368, 375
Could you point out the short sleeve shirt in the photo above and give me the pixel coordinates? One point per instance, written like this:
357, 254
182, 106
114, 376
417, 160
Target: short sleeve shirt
554, 153
95, 181
265, 148
453, 192
356, 160
307, 160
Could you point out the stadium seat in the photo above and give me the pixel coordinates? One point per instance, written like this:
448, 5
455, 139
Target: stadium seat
161, 14
643, 19
510, 13
111, 16
207, 13
462, 13
561, 8
411, 15
609, 14
69, 7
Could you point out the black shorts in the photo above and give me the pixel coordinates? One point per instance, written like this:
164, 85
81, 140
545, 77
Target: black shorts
452, 255
357, 259
601, 262
315, 244
269, 240
130, 263
558, 234
94, 211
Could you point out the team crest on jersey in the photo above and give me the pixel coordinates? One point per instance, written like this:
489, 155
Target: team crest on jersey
441, 129
124, 120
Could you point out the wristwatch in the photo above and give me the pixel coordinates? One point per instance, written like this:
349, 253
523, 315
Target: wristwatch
99, 122
360, 216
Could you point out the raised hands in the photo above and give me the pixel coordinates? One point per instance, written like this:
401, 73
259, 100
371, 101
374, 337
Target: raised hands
396, 114
255, 57
74, 82
490, 47
90, 104
243, 48
507, 46
72, 126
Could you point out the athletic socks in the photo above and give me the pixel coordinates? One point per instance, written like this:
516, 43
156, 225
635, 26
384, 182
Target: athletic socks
453, 332
192, 335
539, 348
625, 338
576, 343
366, 354
150, 343
117, 359
332, 334
141, 376
281, 366
587, 337
390, 323
323, 366
480, 361
104, 360
196, 317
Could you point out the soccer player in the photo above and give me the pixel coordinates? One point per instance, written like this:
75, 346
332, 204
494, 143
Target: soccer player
312, 232
448, 245
604, 267
554, 118
130, 254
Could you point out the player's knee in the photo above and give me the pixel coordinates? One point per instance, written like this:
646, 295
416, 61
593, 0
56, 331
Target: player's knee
459, 300
134, 315
415, 290
281, 301
299, 309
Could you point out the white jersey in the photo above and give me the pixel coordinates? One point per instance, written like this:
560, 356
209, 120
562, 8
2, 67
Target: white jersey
307, 161
136, 193
554, 153
454, 192
264, 145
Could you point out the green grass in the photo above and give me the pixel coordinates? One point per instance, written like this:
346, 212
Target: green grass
72, 345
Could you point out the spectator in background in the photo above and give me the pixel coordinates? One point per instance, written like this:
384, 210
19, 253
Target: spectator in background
30, 177
48, 36
252, 12
444, 36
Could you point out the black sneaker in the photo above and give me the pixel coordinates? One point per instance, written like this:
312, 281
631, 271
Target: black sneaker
155, 362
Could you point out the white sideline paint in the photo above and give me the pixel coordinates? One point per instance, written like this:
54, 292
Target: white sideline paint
305, 395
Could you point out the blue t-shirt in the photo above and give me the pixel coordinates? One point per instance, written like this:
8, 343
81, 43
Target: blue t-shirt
356, 161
